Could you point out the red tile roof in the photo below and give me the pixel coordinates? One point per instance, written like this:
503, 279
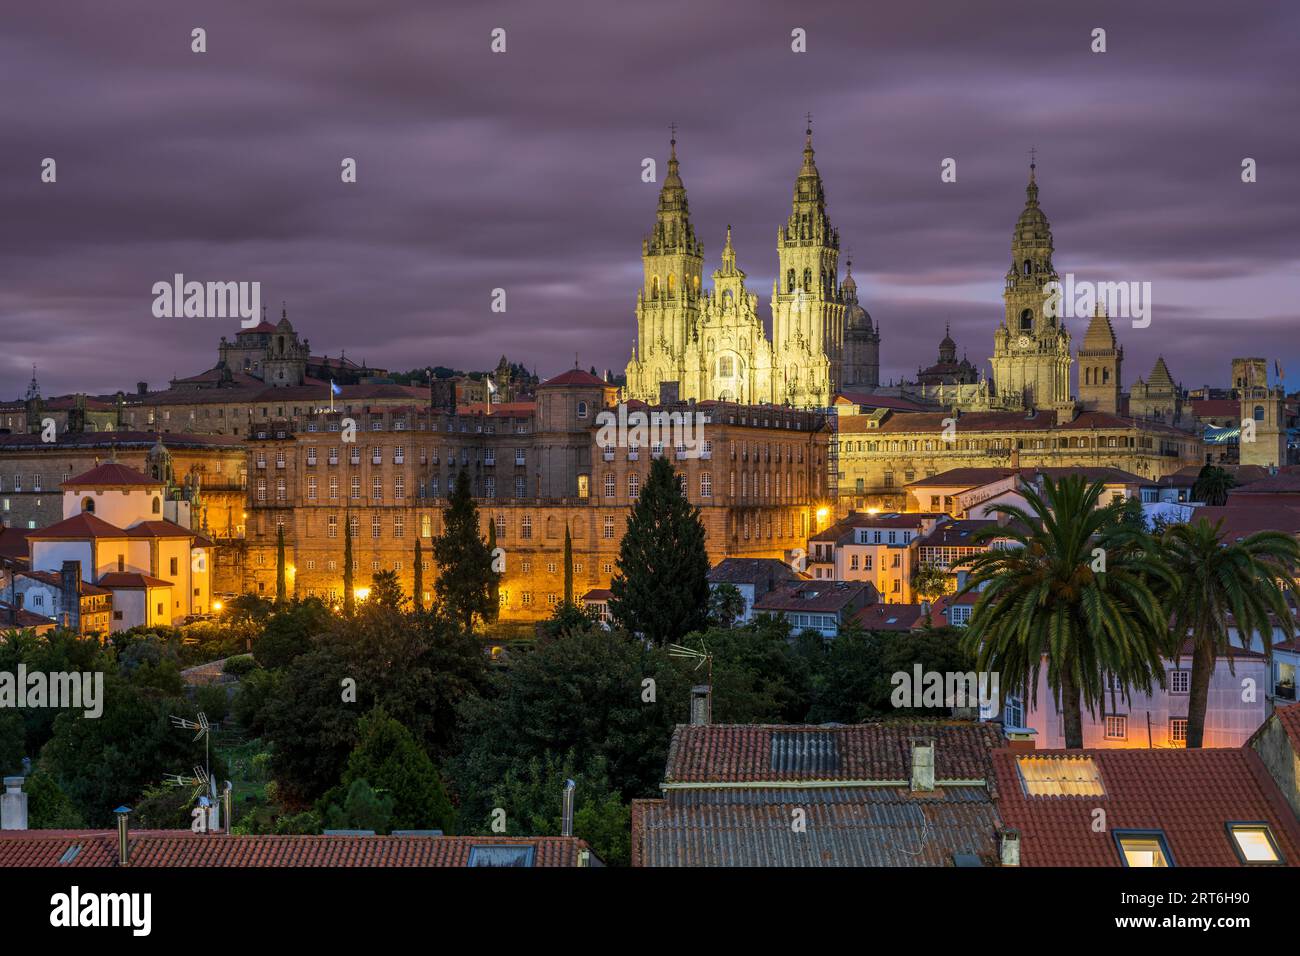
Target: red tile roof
889, 617
1289, 718
21, 617
157, 848
55, 579
159, 529
1216, 408
1189, 795
574, 376
111, 474
1244, 517
748, 753
815, 597
131, 580
83, 525
879, 401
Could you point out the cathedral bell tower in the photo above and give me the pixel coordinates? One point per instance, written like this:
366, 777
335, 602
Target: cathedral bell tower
668, 303
1031, 349
807, 302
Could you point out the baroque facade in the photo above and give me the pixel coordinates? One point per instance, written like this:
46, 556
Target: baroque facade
758, 479
713, 343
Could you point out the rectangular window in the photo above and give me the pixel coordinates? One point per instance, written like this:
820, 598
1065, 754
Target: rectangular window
375, 526
1180, 681
376, 488
1143, 848
311, 488
173, 567
1254, 843
399, 526
399, 488
526, 527
608, 532
706, 485
356, 486
1178, 731
1116, 727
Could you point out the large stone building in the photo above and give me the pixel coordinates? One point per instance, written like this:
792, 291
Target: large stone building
758, 479
882, 452
203, 475
713, 342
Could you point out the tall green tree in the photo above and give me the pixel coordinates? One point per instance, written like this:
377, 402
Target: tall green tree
1241, 584
349, 599
386, 591
930, 582
494, 589
1075, 592
1212, 485
417, 587
389, 758
281, 585
465, 574
568, 565
661, 587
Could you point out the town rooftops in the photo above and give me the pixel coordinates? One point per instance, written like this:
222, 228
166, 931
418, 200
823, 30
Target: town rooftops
159, 529
1289, 719
1283, 483
814, 597
1182, 800
729, 792
11, 617
124, 439
974, 477
1243, 517
157, 848
598, 595
842, 530
111, 474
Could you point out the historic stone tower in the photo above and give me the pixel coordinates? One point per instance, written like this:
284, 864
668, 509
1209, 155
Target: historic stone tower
668, 303
1263, 412
1100, 363
1031, 350
285, 363
861, 359
807, 304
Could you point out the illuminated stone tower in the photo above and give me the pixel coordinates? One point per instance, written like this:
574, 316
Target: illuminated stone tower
860, 368
1100, 362
1031, 350
807, 303
668, 303
1263, 412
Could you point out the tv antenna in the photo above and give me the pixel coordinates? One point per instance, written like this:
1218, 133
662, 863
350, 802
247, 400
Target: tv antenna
200, 781
700, 655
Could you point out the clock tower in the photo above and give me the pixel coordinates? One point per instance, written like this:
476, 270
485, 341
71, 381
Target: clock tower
1031, 349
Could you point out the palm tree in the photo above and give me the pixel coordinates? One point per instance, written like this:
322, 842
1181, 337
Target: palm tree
1217, 585
1074, 588
1212, 485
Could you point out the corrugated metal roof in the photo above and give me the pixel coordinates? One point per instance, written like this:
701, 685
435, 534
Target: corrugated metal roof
842, 827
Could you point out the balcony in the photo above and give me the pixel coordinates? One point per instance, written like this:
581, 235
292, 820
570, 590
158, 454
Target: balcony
608, 455
633, 456
489, 460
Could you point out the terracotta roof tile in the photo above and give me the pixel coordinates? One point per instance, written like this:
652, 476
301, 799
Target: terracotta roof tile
83, 525
1189, 795
111, 474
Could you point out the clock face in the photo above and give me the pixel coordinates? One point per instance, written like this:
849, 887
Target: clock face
1023, 341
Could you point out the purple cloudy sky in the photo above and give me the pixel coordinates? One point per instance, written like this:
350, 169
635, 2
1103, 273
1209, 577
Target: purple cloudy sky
522, 170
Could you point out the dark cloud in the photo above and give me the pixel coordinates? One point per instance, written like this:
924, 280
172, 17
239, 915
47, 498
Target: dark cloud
521, 170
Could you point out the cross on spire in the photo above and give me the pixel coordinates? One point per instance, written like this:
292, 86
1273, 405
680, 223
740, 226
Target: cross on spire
672, 128
809, 118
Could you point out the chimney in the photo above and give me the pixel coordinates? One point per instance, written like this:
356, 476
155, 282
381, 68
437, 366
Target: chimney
70, 581
922, 764
701, 705
566, 809
142, 388
13, 805
1010, 847
123, 847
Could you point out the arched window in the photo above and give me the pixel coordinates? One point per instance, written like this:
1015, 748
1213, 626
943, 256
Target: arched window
654, 287
672, 283
157, 506
1105, 376
582, 409
1029, 267
807, 280
1027, 320
88, 504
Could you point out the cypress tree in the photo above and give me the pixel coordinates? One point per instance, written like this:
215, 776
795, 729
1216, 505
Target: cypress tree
661, 587
568, 566
465, 575
349, 602
418, 585
494, 590
281, 587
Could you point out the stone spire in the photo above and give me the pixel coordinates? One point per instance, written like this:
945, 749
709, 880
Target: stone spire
728, 254
1100, 334
673, 231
